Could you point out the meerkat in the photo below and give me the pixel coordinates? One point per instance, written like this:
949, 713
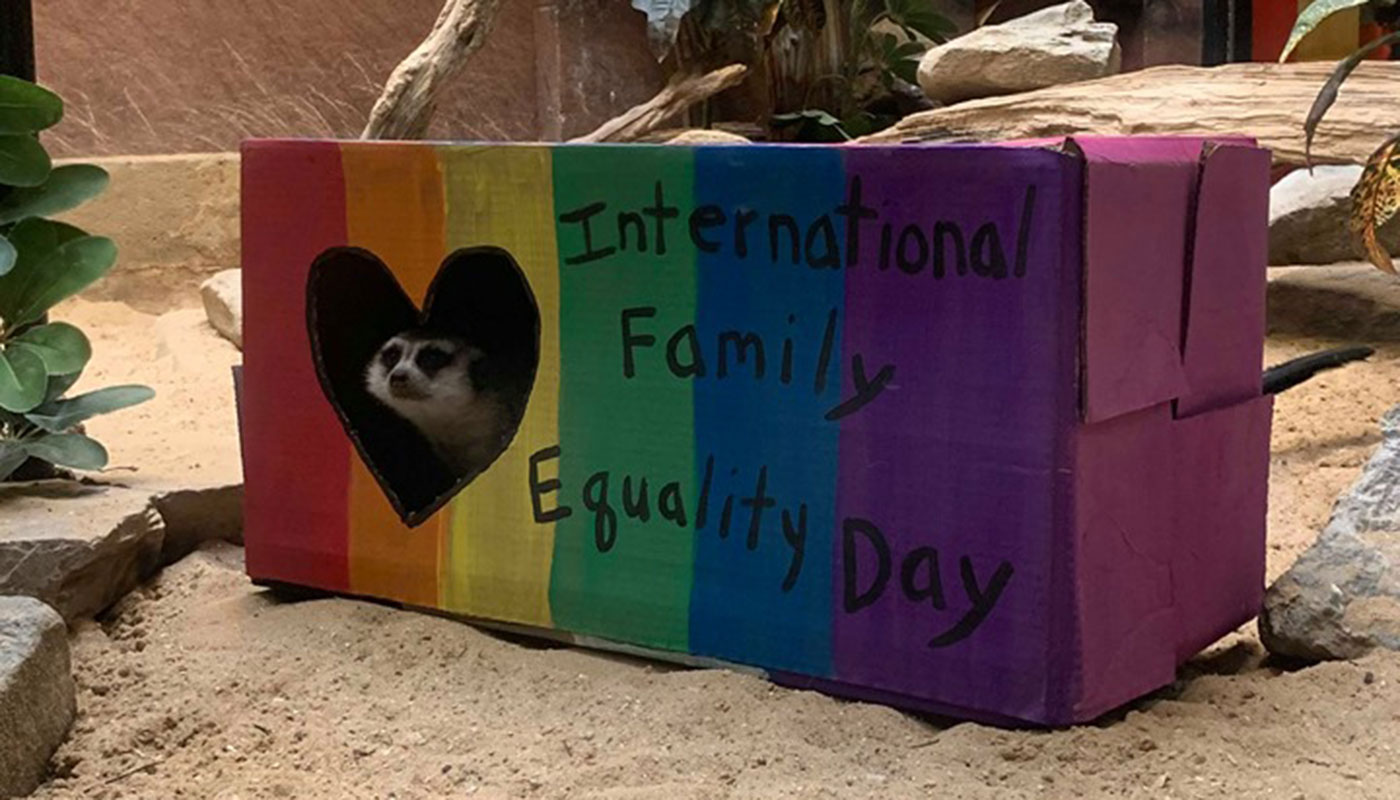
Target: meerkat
427, 379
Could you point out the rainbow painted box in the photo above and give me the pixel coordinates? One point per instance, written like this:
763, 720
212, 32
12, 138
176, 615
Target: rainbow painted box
968, 429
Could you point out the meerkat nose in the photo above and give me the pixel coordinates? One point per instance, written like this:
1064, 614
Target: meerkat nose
397, 378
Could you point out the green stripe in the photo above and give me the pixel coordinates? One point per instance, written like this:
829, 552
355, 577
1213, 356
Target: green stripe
638, 588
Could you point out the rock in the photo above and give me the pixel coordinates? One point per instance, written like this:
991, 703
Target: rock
1342, 597
223, 304
1186, 101
703, 136
1348, 302
195, 516
37, 696
78, 548
1056, 45
1309, 214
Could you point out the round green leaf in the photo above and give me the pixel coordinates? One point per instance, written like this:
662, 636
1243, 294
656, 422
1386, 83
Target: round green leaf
68, 186
60, 415
63, 348
34, 240
26, 107
23, 161
58, 384
72, 450
67, 270
12, 455
23, 380
7, 255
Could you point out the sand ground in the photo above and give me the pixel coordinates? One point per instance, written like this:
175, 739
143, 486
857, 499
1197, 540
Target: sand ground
201, 685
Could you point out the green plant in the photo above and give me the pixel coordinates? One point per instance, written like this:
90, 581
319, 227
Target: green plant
835, 69
1376, 196
43, 262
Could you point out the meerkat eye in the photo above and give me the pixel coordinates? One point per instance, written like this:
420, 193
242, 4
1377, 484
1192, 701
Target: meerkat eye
431, 359
390, 355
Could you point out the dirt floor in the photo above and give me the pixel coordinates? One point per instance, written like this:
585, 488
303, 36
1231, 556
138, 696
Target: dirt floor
200, 685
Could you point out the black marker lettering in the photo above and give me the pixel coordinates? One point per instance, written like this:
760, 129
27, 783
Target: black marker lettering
539, 488
866, 390
630, 340
797, 539
595, 499
982, 602
853, 600
582, 215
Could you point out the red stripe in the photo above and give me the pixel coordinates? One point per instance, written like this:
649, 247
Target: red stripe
295, 453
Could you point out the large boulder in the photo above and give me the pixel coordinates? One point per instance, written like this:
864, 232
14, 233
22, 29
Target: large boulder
1060, 44
1342, 597
37, 699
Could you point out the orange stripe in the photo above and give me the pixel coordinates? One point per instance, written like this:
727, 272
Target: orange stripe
394, 207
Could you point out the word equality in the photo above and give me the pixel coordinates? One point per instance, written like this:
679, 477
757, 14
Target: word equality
942, 248
868, 561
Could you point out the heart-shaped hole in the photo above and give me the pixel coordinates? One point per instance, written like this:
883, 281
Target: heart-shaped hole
429, 397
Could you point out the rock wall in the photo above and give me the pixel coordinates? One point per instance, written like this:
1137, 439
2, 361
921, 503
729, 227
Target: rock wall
168, 76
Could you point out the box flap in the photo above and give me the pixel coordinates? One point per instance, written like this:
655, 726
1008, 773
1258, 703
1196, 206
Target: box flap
1224, 318
1138, 350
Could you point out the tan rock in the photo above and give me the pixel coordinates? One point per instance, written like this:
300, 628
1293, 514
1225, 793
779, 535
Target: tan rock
223, 303
704, 136
1060, 44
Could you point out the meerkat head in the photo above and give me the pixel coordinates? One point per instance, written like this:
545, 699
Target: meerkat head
420, 374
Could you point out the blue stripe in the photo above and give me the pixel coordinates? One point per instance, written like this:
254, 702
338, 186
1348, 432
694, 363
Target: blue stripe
741, 610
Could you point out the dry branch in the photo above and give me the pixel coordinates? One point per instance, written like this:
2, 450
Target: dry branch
680, 93
406, 106
1266, 101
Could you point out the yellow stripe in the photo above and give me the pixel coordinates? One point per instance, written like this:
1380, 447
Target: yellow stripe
497, 560
394, 208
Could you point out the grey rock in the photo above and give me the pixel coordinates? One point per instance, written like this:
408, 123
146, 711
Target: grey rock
1056, 45
223, 304
37, 696
77, 547
1341, 598
195, 516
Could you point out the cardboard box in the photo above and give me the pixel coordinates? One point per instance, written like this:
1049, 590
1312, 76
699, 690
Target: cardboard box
968, 429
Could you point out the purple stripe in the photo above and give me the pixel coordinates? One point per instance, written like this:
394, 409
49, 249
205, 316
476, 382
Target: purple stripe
964, 452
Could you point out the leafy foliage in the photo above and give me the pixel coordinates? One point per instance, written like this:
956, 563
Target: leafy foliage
42, 263
1376, 196
1312, 16
1376, 199
1328, 95
839, 68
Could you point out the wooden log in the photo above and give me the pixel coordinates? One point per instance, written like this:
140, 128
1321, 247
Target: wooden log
1266, 101
682, 92
406, 106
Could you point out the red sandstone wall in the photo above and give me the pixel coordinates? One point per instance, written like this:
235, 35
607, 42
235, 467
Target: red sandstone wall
172, 76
